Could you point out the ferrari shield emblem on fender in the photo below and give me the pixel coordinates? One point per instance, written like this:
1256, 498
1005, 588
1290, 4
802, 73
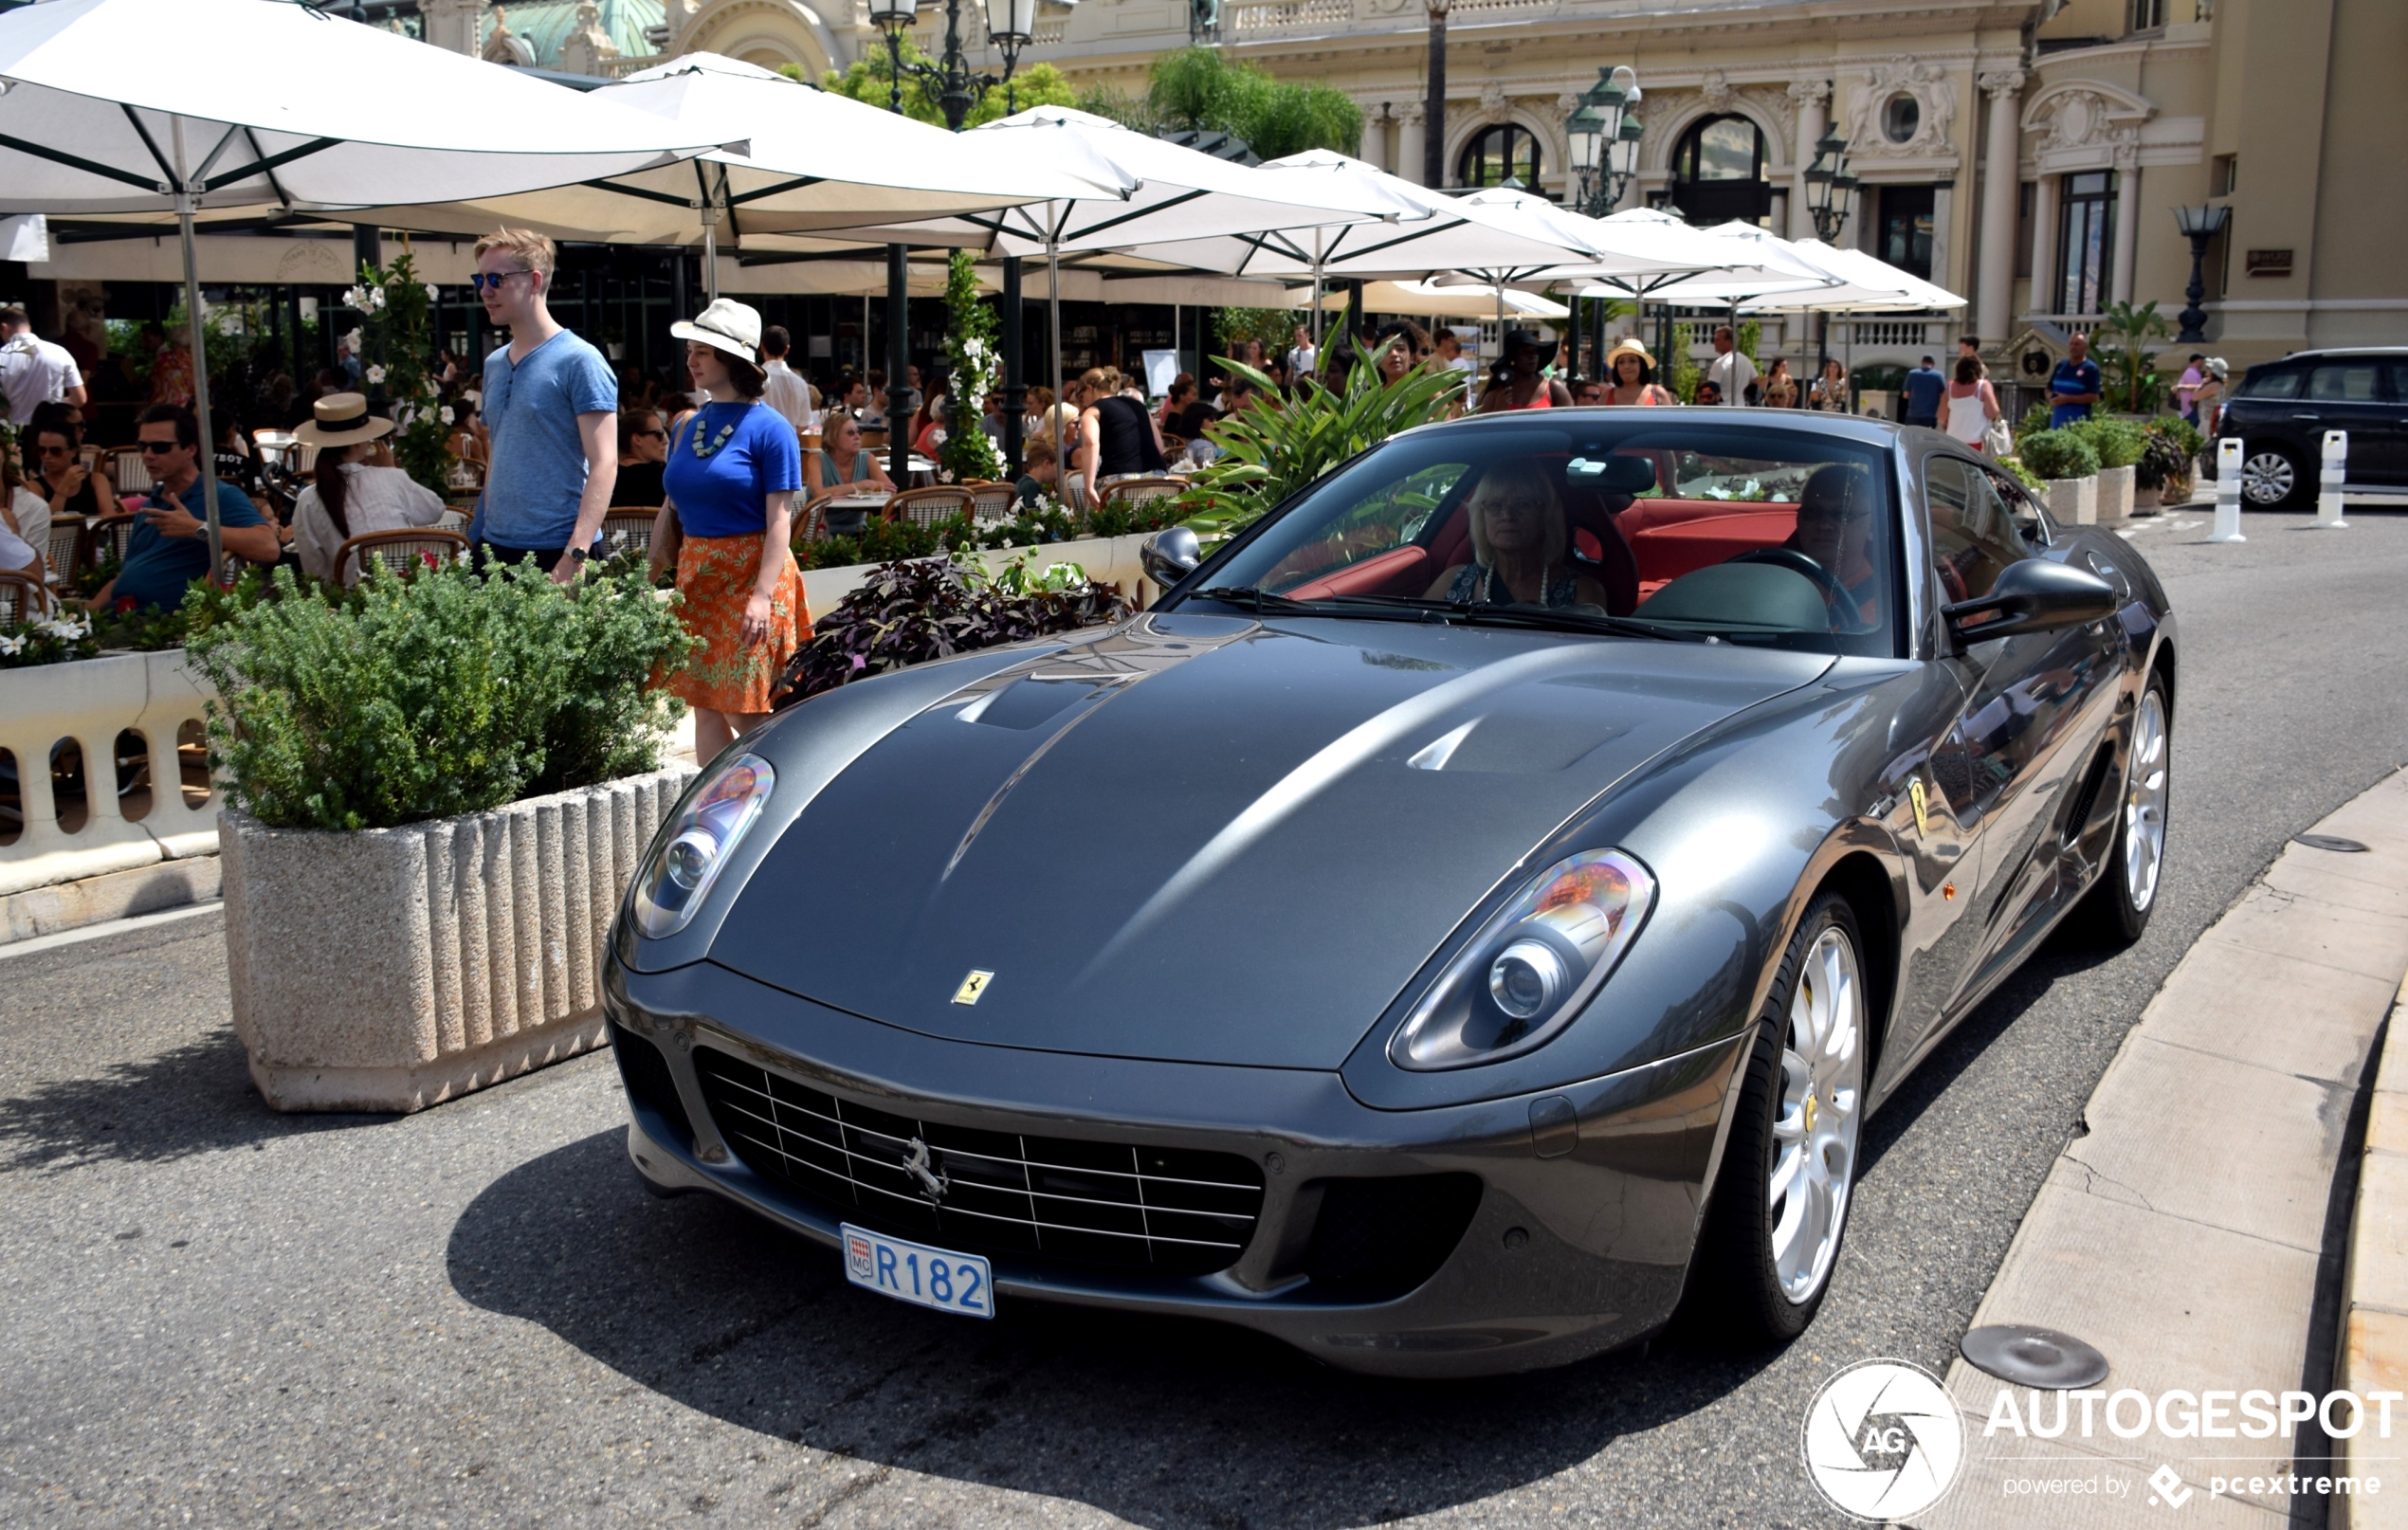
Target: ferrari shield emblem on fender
973, 986
1922, 809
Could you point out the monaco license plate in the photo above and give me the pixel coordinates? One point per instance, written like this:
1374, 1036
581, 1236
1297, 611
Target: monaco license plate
914, 1272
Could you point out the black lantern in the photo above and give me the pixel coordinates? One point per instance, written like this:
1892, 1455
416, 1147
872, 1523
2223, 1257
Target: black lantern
2199, 225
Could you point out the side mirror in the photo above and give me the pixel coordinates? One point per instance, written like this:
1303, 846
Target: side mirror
2032, 595
1170, 555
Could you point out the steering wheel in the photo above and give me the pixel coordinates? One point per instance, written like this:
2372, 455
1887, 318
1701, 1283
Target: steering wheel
1835, 594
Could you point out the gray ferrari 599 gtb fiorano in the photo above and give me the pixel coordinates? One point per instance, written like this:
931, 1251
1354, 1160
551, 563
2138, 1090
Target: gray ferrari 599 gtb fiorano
1474, 911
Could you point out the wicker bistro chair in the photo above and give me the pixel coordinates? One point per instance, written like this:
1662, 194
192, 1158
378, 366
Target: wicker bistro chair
1136, 491
21, 599
993, 503
1174, 446
64, 554
107, 536
628, 529
925, 507
128, 472
401, 552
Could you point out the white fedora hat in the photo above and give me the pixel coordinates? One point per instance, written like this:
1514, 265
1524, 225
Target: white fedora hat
726, 325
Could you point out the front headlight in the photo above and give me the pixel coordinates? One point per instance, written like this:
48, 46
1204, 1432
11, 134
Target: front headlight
679, 875
1532, 966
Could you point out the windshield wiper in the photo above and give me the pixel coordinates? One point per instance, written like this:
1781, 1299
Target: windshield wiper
1264, 603
1429, 608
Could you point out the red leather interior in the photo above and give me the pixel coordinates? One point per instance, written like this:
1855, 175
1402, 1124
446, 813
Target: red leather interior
1670, 537
1401, 571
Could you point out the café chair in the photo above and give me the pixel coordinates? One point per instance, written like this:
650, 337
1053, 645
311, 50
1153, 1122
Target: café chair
403, 552
928, 507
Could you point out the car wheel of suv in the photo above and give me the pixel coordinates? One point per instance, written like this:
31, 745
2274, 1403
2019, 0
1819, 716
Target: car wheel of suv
1780, 1202
2273, 477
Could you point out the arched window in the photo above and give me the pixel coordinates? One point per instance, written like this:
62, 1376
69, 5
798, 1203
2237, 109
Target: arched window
1718, 172
1498, 153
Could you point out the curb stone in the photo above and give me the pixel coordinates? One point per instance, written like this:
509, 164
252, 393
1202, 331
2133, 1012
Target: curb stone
2191, 1228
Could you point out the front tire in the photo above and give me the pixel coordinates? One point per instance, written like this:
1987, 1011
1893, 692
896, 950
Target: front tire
2118, 908
1781, 1205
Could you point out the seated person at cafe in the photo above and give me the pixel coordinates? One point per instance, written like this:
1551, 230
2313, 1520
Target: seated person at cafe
1521, 546
644, 447
841, 467
169, 546
357, 488
1043, 475
1709, 392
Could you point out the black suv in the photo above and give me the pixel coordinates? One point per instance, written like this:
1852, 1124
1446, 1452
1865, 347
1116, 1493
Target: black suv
2282, 410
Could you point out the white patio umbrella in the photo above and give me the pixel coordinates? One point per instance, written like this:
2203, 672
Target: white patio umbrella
1450, 302
1756, 263
805, 167
1181, 194
149, 106
1869, 285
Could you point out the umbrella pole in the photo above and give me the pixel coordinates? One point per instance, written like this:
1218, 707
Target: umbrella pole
184, 200
1053, 324
1317, 269
710, 253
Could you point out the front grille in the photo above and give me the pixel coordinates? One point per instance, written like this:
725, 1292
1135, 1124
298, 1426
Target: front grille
1380, 1238
645, 1073
1165, 1210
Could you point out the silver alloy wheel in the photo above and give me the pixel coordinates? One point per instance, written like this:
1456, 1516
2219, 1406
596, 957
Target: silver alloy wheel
2145, 803
2268, 477
1822, 1095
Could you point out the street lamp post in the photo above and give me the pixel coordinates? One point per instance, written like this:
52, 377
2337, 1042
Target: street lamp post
1010, 25
1604, 134
1831, 186
1433, 131
2199, 225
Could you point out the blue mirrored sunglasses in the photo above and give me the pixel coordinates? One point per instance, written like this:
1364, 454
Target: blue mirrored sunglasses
480, 281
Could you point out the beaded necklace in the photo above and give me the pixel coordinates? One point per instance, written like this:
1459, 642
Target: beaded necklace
719, 440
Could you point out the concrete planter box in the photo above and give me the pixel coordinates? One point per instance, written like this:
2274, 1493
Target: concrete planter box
2147, 502
396, 968
2115, 494
1112, 560
2075, 501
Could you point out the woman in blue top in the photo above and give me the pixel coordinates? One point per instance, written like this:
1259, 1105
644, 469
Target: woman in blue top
730, 482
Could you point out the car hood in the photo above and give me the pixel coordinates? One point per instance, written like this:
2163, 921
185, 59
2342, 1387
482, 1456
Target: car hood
1207, 840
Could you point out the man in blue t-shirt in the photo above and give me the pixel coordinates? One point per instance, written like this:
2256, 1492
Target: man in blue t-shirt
169, 549
2074, 385
551, 406
1925, 388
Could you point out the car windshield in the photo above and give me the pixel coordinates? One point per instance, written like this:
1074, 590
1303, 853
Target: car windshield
1664, 523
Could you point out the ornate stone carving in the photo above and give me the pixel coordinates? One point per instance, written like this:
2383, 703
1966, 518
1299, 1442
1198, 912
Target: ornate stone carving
1997, 82
1717, 91
1566, 102
587, 47
1410, 113
1809, 92
1934, 98
1495, 104
2076, 120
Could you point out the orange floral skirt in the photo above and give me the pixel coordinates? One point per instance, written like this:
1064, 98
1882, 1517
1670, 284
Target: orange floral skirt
716, 575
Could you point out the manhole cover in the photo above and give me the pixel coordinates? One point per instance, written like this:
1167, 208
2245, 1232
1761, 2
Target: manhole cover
2029, 1356
2330, 842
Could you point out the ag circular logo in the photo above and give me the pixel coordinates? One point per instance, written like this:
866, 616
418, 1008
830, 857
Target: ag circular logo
1882, 1440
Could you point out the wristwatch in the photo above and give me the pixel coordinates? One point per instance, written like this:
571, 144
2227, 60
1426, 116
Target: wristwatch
578, 555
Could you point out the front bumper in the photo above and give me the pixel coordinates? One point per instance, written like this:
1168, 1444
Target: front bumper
1563, 1256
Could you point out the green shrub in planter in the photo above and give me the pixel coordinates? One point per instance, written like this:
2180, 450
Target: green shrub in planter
2036, 420
445, 693
2184, 435
2119, 443
907, 614
2058, 454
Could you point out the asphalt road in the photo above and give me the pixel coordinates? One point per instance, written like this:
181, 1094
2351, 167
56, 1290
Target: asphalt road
214, 1315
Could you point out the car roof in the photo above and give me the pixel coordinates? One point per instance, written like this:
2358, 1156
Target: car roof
1858, 427
2371, 353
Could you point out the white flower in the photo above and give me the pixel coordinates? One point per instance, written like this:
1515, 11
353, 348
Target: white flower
375, 375
444, 414
434, 293
11, 646
377, 299
352, 299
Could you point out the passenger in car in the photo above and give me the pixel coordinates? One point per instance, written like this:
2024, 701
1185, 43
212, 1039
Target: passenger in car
1835, 525
1520, 545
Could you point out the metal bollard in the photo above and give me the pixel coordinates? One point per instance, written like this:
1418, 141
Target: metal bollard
2336, 470
2228, 492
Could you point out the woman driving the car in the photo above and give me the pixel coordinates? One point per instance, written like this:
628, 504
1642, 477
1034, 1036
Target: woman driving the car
1835, 528
1519, 545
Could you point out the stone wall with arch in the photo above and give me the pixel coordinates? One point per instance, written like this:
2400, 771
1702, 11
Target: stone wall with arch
1467, 120
763, 32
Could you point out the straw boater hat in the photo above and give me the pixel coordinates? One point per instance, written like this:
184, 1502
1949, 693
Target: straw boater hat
726, 325
1628, 346
342, 420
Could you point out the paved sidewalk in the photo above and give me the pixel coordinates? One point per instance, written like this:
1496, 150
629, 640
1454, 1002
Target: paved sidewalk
2194, 1233
2373, 1349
